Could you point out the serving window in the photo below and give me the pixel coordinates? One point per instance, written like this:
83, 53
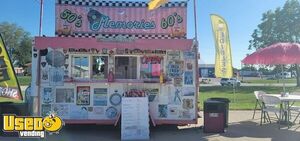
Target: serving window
97, 67
89, 67
125, 67
80, 67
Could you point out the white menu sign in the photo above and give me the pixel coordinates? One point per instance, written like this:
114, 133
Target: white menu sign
135, 118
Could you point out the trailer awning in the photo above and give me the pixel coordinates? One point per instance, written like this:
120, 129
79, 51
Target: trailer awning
144, 44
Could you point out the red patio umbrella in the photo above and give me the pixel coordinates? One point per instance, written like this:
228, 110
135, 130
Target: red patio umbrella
276, 54
279, 53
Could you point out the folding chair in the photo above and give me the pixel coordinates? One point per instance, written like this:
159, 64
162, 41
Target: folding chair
270, 104
258, 101
296, 110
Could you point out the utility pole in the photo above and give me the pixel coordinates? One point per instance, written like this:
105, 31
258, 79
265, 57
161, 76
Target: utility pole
195, 17
35, 83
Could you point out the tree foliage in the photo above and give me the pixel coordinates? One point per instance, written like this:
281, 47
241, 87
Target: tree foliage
248, 68
279, 25
18, 43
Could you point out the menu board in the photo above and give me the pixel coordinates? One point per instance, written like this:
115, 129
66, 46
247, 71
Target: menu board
135, 119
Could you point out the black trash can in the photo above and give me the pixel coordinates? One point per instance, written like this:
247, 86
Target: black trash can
7, 108
214, 116
18, 109
226, 110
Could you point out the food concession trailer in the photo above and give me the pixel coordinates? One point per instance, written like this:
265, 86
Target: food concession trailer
105, 50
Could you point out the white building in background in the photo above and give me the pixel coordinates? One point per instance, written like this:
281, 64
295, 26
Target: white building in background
207, 70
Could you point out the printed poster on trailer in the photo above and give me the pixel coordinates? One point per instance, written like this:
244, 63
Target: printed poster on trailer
188, 78
100, 97
56, 76
83, 95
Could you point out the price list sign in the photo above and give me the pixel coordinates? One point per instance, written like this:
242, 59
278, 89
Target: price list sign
135, 118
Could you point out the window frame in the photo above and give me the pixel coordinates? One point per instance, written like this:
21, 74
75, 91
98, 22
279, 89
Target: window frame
137, 66
89, 66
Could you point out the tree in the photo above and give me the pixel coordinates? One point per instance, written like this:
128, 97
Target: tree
18, 43
280, 25
264, 70
23, 53
248, 68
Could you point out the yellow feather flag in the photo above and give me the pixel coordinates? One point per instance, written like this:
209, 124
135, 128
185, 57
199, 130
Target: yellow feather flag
223, 62
153, 4
9, 86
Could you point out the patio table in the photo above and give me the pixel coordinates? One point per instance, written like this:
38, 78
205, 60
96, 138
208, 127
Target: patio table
286, 100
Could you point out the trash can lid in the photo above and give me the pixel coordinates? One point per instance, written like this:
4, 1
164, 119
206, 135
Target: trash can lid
226, 100
213, 101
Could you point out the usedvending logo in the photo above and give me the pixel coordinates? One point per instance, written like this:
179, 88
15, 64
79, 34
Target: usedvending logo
32, 126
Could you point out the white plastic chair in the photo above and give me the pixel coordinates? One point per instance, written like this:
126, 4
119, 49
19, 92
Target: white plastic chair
270, 104
296, 110
258, 96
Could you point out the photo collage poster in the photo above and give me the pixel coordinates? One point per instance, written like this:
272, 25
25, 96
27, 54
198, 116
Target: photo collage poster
65, 95
56, 76
47, 96
180, 67
46, 109
83, 95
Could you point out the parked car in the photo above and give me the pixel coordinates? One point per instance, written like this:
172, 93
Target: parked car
271, 78
284, 75
230, 82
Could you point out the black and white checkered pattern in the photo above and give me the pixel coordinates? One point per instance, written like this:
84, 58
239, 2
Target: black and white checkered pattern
137, 36
118, 3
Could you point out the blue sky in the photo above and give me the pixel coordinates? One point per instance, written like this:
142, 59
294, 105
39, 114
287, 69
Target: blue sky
242, 17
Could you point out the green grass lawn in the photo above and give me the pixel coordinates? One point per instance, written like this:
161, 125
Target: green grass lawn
243, 99
24, 80
264, 81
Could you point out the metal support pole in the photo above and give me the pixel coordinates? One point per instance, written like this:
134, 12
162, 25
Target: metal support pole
36, 86
195, 17
41, 16
283, 78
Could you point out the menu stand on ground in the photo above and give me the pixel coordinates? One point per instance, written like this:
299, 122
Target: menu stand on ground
135, 118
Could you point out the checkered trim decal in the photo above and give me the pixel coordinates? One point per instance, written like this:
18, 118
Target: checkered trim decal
137, 36
118, 3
